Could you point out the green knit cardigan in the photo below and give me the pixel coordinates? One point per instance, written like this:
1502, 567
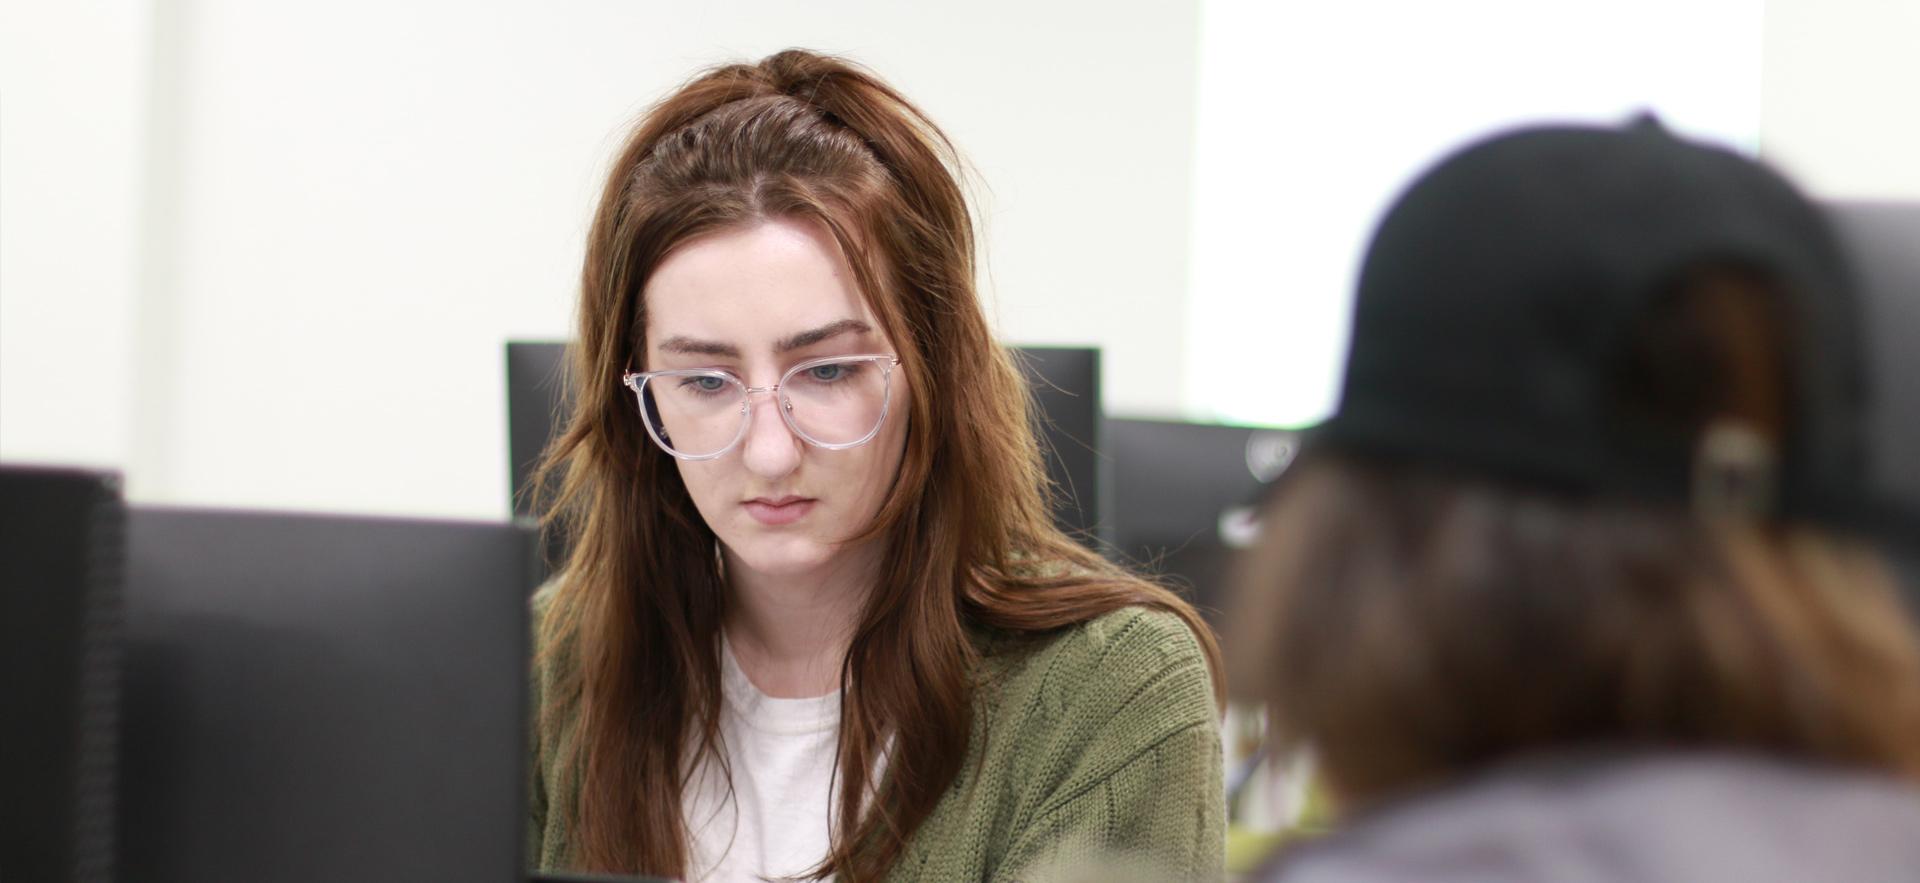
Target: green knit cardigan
1104, 752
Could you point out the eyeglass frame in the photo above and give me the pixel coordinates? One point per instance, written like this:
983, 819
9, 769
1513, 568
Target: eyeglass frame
637, 381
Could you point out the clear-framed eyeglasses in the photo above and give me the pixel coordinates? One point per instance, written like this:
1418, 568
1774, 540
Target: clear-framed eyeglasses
836, 402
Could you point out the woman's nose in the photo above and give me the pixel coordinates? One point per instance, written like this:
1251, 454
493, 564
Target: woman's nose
771, 448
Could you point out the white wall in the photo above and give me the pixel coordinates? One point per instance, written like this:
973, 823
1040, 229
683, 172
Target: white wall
72, 113
266, 254
1842, 79
346, 208
1314, 116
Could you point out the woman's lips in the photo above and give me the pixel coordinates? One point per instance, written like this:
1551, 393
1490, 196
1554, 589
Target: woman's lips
775, 512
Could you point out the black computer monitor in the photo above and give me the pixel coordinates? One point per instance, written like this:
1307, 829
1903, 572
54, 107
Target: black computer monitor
1883, 241
324, 698
1066, 388
1066, 391
60, 551
1182, 495
537, 407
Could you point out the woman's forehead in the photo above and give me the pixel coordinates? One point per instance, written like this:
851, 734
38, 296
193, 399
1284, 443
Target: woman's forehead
755, 287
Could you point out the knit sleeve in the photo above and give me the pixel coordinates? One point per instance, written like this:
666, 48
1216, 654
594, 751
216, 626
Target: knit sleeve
1142, 795
537, 799
536, 805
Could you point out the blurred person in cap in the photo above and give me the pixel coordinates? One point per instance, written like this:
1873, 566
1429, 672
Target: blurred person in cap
1576, 585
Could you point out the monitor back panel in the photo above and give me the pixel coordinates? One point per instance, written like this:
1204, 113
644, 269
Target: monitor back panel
1181, 491
1066, 391
537, 408
324, 698
1883, 241
60, 554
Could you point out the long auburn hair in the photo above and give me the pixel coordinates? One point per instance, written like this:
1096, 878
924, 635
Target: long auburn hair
1410, 625
633, 624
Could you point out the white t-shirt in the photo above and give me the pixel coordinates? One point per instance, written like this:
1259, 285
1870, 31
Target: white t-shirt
777, 820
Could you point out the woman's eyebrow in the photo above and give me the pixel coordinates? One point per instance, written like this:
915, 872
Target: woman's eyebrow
690, 346
830, 330
681, 344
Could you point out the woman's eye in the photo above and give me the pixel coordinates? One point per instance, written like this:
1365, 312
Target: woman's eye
703, 383
828, 373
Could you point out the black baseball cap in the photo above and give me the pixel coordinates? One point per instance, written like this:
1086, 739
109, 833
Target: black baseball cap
1500, 292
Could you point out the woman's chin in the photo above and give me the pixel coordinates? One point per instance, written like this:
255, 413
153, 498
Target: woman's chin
782, 556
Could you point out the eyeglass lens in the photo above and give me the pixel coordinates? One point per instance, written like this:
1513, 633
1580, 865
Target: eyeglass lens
831, 403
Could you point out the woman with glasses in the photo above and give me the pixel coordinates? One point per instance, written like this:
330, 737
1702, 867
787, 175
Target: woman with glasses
816, 620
